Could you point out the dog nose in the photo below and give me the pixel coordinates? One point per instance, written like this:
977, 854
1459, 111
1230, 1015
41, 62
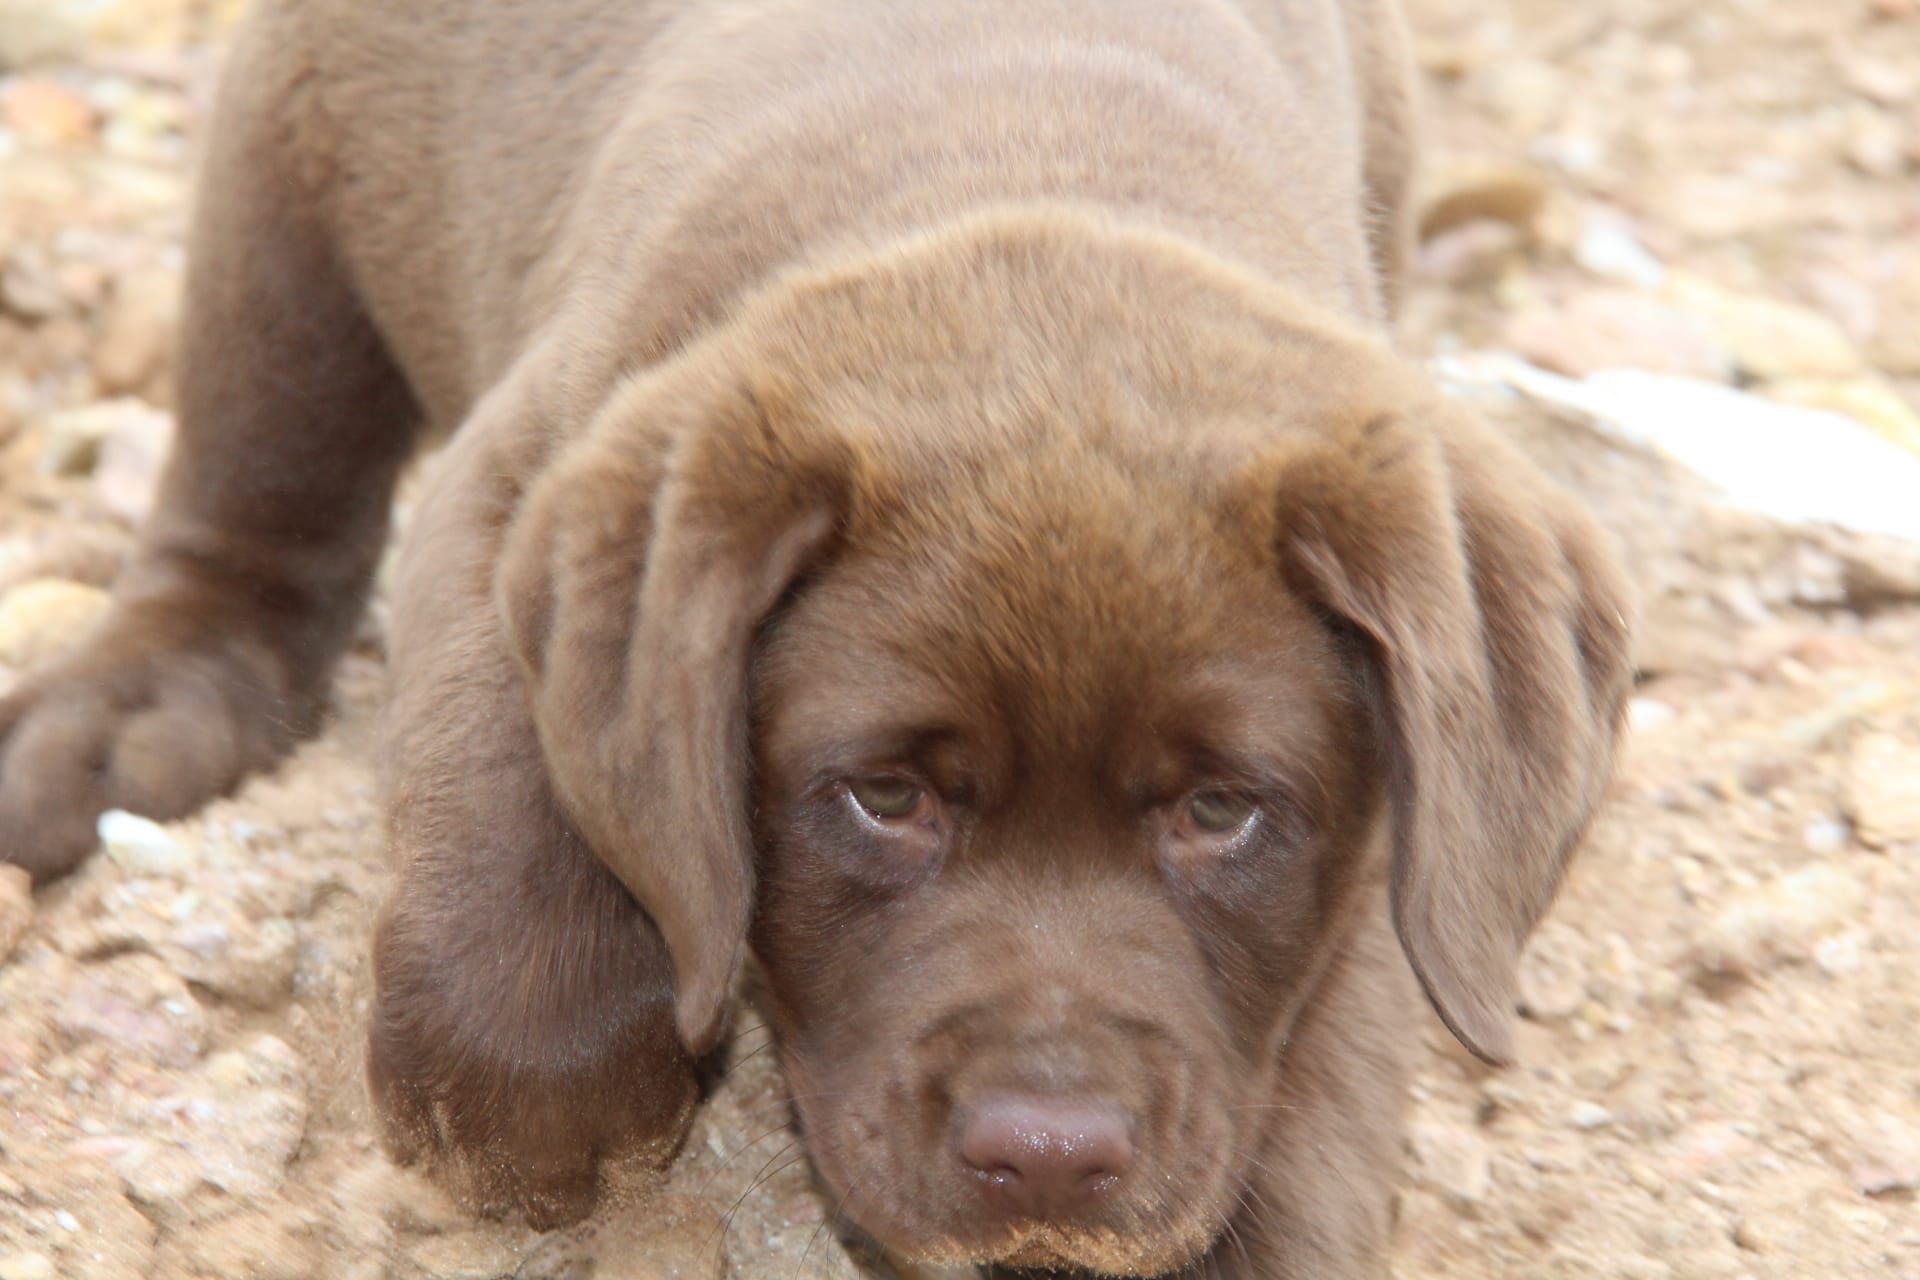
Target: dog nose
1045, 1157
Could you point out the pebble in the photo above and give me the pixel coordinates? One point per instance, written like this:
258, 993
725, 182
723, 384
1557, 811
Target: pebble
238, 960
1452, 1161
142, 846
1882, 790
472, 1255
1646, 714
244, 1113
46, 113
1839, 956
1769, 340
1613, 252
1553, 982
131, 458
16, 909
1885, 1155
1872, 402
137, 1004
132, 345
30, 287
42, 617
1895, 345
258, 1246
1824, 835
1781, 920
1875, 143
1887, 81
1589, 1115
1604, 329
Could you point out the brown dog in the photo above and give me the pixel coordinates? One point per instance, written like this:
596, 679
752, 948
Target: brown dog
930, 500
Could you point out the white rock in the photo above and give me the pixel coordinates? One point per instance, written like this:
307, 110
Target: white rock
141, 845
42, 617
1589, 1115
1882, 793
237, 959
1452, 1161
1645, 714
16, 909
1781, 920
245, 1112
1793, 464
1838, 956
1608, 249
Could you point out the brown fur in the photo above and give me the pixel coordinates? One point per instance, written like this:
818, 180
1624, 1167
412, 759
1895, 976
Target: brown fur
989, 394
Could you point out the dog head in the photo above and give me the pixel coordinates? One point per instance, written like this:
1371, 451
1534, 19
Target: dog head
1038, 639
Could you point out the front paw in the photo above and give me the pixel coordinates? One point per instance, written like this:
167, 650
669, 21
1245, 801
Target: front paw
161, 711
519, 1044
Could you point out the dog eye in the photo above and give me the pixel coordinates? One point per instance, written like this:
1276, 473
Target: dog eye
888, 799
1218, 812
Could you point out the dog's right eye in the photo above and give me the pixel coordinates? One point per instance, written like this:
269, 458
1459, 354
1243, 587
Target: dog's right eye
889, 799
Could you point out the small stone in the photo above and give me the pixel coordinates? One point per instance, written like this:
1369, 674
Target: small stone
670, 1237
1825, 835
160, 1177
1885, 1156
131, 457
1647, 714
1838, 956
256, 1245
1618, 329
470, 1255
1451, 1161
43, 112
1895, 346
1781, 920
1871, 402
1589, 1115
1875, 144
42, 617
137, 1004
1887, 81
134, 332
1882, 790
1611, 251
29, 287
142, 846
1553, 981
246, 1112
1756, 1235
1769, 340
27, 1266
16, 909
238, 960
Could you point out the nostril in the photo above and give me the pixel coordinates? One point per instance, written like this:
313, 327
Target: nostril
1042, 1155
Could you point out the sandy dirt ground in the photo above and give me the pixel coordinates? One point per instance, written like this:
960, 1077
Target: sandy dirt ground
1720, 1038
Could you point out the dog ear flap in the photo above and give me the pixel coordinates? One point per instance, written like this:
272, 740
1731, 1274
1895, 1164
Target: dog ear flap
1495, 619
633, 582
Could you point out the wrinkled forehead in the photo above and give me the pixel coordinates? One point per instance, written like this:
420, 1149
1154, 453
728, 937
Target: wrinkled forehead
1052, 616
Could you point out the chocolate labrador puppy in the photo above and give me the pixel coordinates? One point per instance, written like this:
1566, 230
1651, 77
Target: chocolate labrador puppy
931, 502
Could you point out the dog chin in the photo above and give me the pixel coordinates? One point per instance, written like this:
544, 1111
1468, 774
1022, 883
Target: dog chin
1043, 1250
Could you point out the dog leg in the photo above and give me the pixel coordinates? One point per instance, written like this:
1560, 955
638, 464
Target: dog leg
253, 569
523, 1025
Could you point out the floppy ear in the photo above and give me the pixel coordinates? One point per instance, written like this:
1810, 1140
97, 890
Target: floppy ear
632, 583
1495, 617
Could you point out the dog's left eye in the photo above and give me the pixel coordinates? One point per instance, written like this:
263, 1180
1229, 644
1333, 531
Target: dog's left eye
888, 799
1218, 812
